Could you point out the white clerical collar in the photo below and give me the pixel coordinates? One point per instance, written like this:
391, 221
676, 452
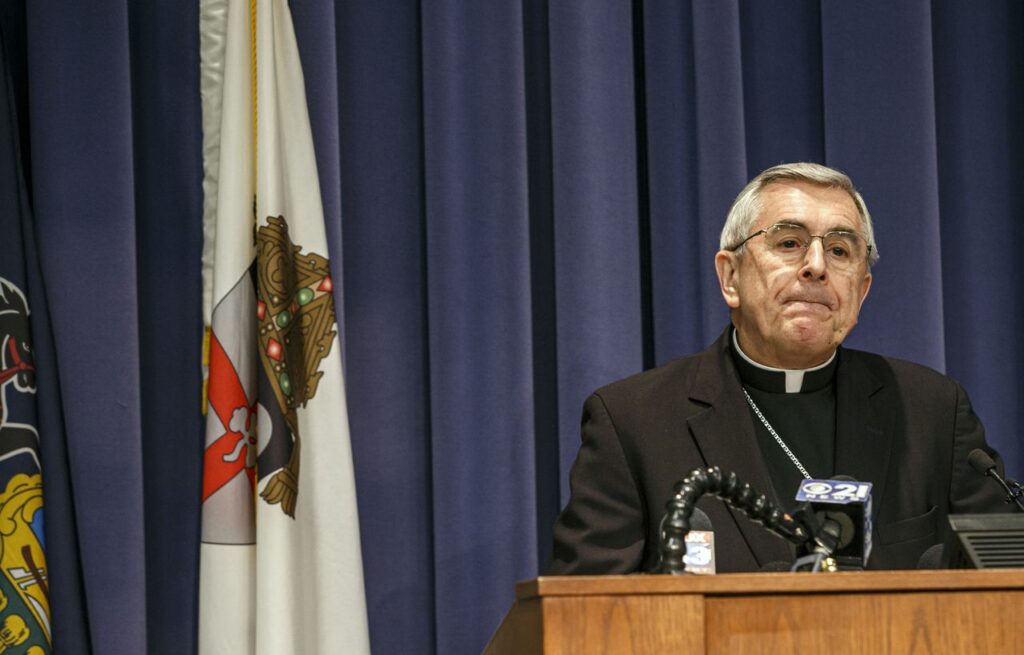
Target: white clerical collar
794, 376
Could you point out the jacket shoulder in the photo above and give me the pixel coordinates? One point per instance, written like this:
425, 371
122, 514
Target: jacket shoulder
670, 379
902, 367
911, 377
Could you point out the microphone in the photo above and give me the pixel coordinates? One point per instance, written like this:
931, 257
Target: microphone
700, 520
932, 558
823, 546
981, 462
837, 513
700, 545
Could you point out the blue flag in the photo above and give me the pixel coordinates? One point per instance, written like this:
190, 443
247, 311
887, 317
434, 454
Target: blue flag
32, 446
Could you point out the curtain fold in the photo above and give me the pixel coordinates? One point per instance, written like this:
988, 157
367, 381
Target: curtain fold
524, 202
114, 125
478, 312
83, 194
596, 229
380, 131
783, 102
881, 99
721, 135
680, 300
167, 174
979, 99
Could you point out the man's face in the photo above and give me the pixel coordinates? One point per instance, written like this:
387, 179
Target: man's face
794, 314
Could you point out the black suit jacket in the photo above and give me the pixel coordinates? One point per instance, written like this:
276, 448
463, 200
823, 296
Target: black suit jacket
901, 426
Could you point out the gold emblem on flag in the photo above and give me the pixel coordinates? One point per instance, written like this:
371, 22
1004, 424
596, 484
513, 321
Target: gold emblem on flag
23, 563
295, 309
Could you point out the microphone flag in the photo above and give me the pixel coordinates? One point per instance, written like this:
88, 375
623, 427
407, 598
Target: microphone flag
700, 552
848, 503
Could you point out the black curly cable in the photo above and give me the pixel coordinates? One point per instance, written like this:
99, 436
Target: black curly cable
726, 486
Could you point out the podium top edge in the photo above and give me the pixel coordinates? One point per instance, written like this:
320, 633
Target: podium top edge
732, 584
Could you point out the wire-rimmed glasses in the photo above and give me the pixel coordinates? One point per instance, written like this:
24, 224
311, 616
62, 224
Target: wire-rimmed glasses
845, 250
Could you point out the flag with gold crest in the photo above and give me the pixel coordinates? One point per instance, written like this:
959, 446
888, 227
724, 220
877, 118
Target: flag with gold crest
24, 596
281, 569
25, 625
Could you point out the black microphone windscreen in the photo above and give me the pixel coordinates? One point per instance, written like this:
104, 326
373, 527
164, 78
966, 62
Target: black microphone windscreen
700, 521
980, 461
932, 558
846, 527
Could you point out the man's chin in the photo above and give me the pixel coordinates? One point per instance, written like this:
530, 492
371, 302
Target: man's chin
808, 343
808, 325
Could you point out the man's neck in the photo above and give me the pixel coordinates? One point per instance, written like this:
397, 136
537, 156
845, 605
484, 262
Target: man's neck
794, 376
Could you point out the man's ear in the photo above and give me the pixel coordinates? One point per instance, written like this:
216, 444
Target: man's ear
867, 287
727, 266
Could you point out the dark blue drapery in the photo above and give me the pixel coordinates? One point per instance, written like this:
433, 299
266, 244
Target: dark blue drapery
523, 201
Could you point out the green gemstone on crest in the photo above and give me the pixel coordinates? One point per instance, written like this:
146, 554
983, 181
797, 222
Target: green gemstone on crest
304, 296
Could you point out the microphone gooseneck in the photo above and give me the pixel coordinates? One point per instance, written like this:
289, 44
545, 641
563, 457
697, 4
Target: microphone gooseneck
680, 509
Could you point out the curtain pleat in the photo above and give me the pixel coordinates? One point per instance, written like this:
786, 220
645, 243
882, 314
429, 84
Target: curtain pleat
83, 191
783, 105
979, 61
380, 130
880, 104
594, 177
678, 297
167, 167
478, 313
721, 136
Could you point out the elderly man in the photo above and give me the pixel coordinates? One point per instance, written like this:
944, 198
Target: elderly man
777, 400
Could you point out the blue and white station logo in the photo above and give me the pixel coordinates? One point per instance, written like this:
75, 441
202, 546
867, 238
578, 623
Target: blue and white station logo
833, 491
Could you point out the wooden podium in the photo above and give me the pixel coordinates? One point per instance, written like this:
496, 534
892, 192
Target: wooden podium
863, 612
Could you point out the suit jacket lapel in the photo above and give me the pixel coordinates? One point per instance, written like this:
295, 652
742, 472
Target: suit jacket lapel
863, 426
724, 432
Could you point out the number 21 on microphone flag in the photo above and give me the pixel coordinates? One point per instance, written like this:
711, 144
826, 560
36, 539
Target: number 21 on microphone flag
281, 568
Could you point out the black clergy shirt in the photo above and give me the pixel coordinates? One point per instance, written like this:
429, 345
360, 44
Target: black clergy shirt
805, 419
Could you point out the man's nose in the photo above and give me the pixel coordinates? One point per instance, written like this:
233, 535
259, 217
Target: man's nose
814, 260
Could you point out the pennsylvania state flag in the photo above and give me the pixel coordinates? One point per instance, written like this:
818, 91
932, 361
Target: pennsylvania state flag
24, 582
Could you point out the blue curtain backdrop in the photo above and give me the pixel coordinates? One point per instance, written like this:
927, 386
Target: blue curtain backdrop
523, 201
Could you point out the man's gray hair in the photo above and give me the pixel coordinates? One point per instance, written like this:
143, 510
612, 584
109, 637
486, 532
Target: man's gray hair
744, 212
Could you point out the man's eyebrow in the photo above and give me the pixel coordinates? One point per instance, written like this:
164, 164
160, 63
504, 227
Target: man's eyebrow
791, 221
800, 223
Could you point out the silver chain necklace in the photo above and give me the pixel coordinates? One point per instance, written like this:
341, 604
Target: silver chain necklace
778, 439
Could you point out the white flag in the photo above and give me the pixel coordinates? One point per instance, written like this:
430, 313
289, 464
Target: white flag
286, 578
227, 568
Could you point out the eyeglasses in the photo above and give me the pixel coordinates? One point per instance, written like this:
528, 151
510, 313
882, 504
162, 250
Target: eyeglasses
844, 250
